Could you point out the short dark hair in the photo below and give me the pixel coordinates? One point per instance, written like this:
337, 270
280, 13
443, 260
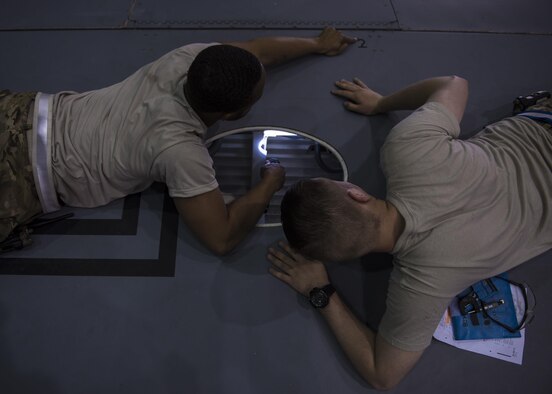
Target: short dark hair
222, 78
318, 222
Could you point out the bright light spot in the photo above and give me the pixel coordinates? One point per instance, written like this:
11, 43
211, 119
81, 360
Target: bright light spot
271, 133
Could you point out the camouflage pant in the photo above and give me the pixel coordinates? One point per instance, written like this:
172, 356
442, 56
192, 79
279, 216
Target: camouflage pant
19, 201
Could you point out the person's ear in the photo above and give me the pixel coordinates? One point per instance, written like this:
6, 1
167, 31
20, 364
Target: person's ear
358, 195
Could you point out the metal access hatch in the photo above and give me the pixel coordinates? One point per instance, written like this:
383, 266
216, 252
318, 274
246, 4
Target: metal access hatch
239, 154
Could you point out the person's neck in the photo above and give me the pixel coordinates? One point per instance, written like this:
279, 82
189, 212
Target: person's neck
391, 227
209, 118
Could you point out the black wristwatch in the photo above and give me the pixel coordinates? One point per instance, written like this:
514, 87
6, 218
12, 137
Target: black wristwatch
319, 297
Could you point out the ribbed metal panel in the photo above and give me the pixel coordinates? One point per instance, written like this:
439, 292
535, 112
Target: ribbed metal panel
232, 163
233, 155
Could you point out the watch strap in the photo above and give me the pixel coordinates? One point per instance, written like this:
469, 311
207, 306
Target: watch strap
328, 289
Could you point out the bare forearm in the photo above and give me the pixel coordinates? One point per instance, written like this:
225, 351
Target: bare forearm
451, 92
276, 50
380, 364
244, 213
221, 227
357, 341
414, 96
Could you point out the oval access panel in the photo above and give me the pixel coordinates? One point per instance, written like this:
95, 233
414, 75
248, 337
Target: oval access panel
239, 154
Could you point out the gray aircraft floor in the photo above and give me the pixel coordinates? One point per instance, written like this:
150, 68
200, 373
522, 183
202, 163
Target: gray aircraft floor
122, 299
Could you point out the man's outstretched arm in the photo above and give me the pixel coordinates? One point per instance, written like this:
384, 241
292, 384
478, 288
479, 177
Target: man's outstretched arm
452, 92
276, 50
222, 227
382, 365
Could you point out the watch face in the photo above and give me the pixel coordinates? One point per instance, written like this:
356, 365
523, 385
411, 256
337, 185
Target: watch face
318, 298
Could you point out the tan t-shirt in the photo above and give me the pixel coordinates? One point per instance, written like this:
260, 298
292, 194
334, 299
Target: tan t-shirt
115, 141
472, 209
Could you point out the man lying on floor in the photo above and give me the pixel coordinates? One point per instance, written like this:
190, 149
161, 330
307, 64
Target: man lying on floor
456, 212
87, 149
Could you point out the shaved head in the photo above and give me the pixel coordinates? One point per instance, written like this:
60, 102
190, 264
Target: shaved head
321, 221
